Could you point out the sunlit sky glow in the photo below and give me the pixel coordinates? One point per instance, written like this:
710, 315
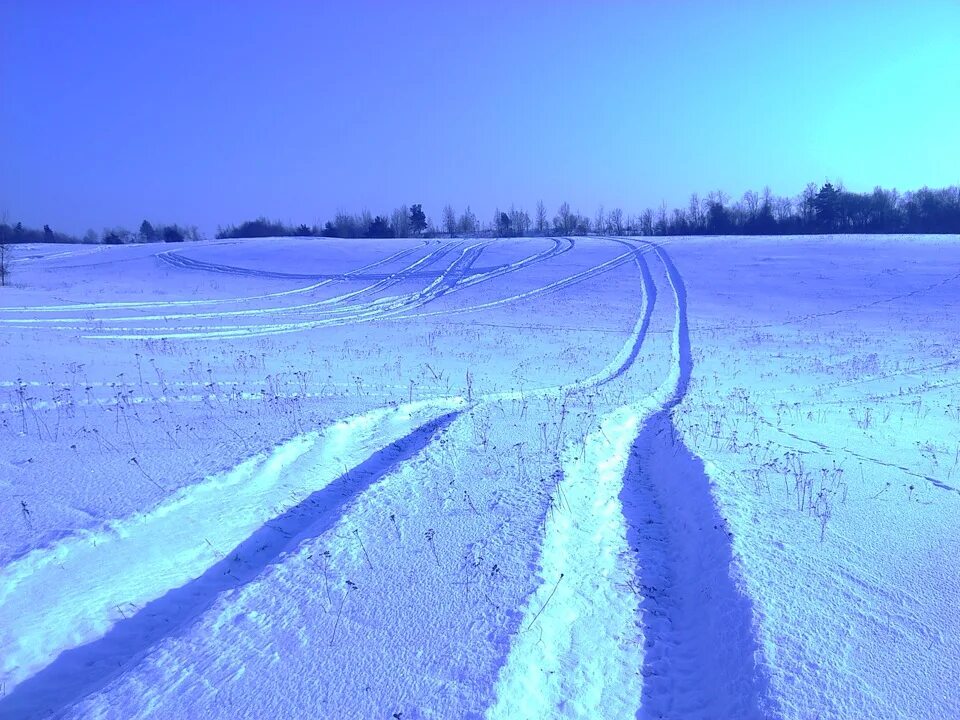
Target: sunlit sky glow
211, 113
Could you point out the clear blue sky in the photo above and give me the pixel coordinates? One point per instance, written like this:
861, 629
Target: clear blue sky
209, 113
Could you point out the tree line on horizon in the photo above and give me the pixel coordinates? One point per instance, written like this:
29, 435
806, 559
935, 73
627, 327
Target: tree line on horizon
148, 232
824, 210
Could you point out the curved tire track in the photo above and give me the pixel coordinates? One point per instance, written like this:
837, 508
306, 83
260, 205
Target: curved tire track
331, 311
167, 256
701, 659
89, 666
50, 667
664, 564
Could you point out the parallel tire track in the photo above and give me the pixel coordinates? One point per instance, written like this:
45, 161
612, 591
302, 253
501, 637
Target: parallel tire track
699, 657
331, 311
631, 458
178, 260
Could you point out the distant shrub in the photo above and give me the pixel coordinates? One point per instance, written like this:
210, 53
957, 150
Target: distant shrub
117, 236
262, 227
172, 233
379, 228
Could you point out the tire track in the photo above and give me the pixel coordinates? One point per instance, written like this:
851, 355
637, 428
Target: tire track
334, 315
190, 303
658, 554
65, 632
701, 656
329, 307
101, 642
178, 260
575, 652
556, 286
40, 684
448, 281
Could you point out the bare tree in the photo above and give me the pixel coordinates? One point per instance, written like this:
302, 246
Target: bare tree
366, 218
783, 209
600, 221
520, 221
766, 198
646, 222
679, 224
661, 228
541, 217
449, 221
564, 222
346, 225
806, 202
719, 197
581, 224
695, 212
5, 254
400, 222
468, 222
615, 221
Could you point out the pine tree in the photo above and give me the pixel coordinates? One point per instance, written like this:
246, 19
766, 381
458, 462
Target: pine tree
827, 205
418, 220
172, 233
147, 233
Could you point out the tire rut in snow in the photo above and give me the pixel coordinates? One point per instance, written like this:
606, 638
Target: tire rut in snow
79, 671
575, 654
555, 286
445, 281
701, 657
662, 568
338, 310
178, 260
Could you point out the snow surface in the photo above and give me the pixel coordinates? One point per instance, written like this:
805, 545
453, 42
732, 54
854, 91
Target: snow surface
588, 477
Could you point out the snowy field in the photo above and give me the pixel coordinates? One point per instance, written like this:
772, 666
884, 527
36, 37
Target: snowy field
540, 478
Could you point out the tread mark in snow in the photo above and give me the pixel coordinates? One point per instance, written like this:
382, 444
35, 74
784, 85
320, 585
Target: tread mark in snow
582, 659
700, 658
85, 669
701, 655
71, 307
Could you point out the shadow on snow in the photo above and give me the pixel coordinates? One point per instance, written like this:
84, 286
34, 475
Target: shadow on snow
701, 657
81, 671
